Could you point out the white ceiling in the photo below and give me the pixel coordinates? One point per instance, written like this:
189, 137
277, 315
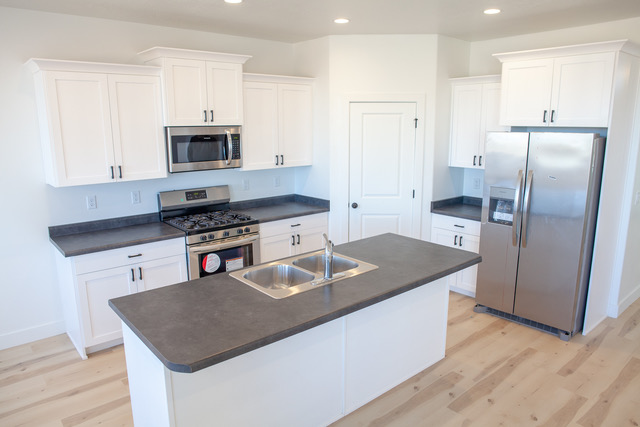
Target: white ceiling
298, 20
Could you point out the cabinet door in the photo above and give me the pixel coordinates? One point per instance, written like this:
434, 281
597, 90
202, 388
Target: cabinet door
77, 106
582, 87
466, 125
295, 124
526, 92
311, 239
446, 238
277, 247
260, 130
186, 91
491, 93
224, 93
466, 280
100, 323
136, 113
162, 272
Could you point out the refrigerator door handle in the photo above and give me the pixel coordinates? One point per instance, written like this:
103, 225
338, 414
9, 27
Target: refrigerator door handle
515, 225
526, 208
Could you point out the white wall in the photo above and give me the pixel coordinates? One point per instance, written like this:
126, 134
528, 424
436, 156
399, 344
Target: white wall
29, 300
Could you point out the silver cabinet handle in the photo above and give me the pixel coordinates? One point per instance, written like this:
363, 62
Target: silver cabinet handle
515, 224
293, 240
120, 171
544, 117
553, 113
276, 160
113, 176
211, 115
460, 242
526, 208
474, 160
140, 272
298, 242
480, 161
133, 276
205, 115
229, 155
281, 160
455, 240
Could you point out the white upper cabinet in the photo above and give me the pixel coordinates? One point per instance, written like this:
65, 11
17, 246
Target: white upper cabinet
278, 115
567, 87
99, 122
201, 88
475, 110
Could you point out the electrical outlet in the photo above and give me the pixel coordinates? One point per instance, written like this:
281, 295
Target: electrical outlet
92, 203
245, 184
476, 183
135, 197
276, 181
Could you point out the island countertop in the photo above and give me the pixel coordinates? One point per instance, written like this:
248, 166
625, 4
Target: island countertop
199, 323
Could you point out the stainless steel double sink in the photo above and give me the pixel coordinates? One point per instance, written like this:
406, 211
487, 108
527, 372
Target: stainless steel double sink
290, 276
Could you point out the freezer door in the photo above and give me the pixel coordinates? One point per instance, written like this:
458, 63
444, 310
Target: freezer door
505, 166
554, 235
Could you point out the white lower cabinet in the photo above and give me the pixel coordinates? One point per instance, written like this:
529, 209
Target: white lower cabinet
461, 234
288, 237
89, 281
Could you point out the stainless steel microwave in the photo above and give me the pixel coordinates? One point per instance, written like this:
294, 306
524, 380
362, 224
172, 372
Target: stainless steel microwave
203, 148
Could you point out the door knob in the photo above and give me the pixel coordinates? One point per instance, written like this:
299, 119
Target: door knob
354, 205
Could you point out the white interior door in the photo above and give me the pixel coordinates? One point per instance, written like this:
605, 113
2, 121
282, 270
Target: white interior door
381, 155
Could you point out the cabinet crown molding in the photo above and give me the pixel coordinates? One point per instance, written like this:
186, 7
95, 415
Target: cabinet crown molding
170, 52
493, 78
274, 78
39, 64
579, 49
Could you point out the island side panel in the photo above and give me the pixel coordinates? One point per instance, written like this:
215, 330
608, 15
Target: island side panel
390, 342
149, 386
293, 382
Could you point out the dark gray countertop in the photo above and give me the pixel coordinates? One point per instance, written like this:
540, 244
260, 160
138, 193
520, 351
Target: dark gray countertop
460, 207
196, 324
96, 236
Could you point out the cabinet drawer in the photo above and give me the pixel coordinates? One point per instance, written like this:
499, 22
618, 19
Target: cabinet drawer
289, 225
456, 224
129, 255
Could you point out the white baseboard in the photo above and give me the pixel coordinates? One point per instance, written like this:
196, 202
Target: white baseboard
628, 300
34, 333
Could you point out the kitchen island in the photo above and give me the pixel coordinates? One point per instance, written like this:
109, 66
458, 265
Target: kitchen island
215, 351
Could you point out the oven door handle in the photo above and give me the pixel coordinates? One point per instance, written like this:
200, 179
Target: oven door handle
208, 247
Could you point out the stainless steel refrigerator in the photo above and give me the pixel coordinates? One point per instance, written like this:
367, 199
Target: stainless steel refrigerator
539, 210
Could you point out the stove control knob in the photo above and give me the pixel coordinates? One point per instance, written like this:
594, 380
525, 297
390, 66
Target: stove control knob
225, 234
247, 229
212, 236
239, 231
203, 237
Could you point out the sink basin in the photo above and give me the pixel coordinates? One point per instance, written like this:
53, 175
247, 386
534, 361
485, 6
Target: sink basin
315, 264
279, 276
290, 276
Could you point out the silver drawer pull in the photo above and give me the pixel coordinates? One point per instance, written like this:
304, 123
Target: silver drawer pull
134, 256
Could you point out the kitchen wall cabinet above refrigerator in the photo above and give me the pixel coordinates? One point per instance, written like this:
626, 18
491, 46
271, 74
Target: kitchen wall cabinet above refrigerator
475, 110
563, 87
278, 125
99, 123
200, 88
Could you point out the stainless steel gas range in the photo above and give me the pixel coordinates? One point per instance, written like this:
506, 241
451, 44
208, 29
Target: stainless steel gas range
217, 238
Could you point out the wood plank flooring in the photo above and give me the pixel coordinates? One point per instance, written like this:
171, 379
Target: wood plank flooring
496, 373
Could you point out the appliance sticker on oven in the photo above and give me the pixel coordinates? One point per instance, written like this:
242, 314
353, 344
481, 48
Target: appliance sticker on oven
211, 263
235, 264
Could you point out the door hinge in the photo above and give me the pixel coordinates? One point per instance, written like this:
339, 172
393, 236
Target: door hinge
416, 122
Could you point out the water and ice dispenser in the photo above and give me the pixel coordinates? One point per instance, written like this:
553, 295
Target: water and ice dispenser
501, 208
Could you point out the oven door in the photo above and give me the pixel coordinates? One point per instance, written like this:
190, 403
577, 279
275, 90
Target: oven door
206, 259
192, 149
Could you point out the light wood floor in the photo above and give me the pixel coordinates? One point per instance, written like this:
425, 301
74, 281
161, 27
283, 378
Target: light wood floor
495, 373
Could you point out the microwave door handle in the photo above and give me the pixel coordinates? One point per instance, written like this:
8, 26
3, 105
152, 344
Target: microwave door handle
228, 147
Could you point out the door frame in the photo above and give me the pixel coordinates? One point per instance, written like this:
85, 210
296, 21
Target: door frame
340, 160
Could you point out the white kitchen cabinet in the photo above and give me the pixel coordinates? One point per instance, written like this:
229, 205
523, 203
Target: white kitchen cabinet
462, 234
201, 88
475, 110
278, 116
99, 123
293, 236
89, 281
564, 87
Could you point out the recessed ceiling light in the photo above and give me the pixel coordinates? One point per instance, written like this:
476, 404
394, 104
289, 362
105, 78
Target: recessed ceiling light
341, 20
491, 11
233, 1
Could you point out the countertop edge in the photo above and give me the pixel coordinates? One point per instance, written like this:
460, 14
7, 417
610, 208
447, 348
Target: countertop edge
278, 336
